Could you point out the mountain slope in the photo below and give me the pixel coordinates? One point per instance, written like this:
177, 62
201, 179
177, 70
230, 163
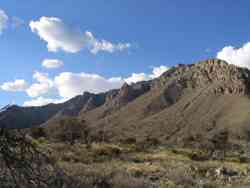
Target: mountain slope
188, 104
25, 117
186, 101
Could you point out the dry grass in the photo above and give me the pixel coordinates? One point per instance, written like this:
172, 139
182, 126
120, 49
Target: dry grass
159, 167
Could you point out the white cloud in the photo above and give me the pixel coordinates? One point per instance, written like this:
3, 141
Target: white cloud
42, 78
96, 45
72, 84
60, 36
38, 89
52, 63
17, 85
236, 56
158, 71
41, 101
3, 20
137, 77
68, 84
43, 86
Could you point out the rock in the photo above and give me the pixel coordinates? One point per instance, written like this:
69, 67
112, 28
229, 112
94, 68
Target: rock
225, 172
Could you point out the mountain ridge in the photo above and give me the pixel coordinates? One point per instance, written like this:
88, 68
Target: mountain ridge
185, 101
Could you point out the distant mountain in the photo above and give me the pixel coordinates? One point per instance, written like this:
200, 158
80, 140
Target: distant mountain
187, 104
13, 116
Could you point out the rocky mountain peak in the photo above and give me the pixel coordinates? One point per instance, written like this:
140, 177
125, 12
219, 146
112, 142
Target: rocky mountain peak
126, 94
229, 78
218, 74
213, 62
125, 91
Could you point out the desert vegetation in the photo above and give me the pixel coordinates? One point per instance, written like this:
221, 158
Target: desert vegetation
38, 158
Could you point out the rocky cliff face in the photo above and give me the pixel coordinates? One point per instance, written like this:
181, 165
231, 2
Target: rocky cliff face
229, 78
126, 94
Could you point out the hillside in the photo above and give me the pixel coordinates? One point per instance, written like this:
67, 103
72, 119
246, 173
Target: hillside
187, 105
187, 128
187, 101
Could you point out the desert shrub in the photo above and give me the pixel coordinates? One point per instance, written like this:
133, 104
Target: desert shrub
247, 132
211, 185
147, 143
70, 130
221, 140
199, 156
220, 145
130, 140
244, 159
152, 141
168, 184
37, 132
42, 140
104, 176
185, 152
193, 154
181, 178
102, 152
123, 180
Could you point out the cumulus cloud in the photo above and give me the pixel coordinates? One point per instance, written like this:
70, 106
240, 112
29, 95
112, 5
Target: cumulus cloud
68, 84
41, 101
3, 20
52, 63
96, 45
137, 77
43, 85
72, 84
237, 56
17, 85
158, 71
60, 36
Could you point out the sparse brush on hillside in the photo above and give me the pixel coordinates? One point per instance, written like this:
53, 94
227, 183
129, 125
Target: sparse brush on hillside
22, 164
30, 163
69, 129
187, 128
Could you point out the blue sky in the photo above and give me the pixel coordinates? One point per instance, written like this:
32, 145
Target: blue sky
141, 36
